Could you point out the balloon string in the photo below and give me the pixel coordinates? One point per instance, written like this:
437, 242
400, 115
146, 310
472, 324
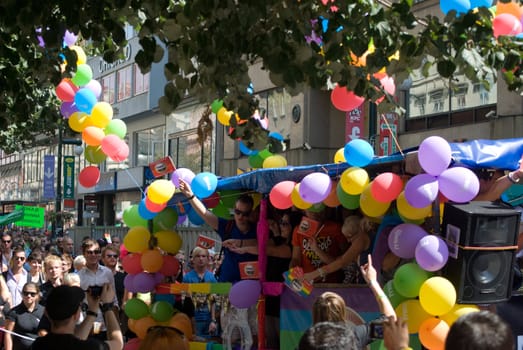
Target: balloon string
134, 180
392, 133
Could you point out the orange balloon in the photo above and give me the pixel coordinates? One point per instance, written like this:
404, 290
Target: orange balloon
510, 8
433, 332
182, 322
142, 325
152, 260
332, 199
93, 135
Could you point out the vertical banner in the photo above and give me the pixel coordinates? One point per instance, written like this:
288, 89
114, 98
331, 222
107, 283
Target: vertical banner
354, 124
388, 128
49, 192
69, 177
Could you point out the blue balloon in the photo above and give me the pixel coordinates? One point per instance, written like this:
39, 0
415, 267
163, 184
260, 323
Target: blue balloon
194, 218
460, 6
245, 150
358, 153
85, 99
276, 135
204, 184
480, 3
144, 212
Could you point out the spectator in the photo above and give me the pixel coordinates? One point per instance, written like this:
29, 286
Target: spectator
329, 336
36, 273
67, 262
116, 241
492, 183
79, 263
64, 309
23, 319
328, 240
67, 246
6, 251
482, 330
72, 279
53, 274
241, 229
17, 276
164, 338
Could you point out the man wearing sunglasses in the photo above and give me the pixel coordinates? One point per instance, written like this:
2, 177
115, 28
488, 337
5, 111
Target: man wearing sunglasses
237, 232
6, 251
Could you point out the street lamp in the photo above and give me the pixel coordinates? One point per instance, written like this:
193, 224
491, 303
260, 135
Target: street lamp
58, 224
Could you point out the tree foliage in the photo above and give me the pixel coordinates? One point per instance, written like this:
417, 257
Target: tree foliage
211, 43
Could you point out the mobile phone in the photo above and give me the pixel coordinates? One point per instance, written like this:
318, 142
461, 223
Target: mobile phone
95, 291
376, 329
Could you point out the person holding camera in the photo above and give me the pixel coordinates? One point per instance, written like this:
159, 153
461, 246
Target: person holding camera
64, 306
92, 277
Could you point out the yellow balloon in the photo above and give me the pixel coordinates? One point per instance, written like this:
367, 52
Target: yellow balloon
410, 212
412, 312
137, 239
339, 156
354, 180
370, 206
297, 200
224, 116
275, 161
101, 114
78, 121
437, 295
82, 57
169, 241
457, 311
160, 191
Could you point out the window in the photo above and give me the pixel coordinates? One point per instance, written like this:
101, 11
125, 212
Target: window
186, 152
124, 83
141, 81
437, 100
150, 145
108, 85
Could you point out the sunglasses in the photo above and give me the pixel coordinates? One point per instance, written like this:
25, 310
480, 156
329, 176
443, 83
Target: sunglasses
245, 214
29, 294
19, 258
6, 242
93, 252
111, 255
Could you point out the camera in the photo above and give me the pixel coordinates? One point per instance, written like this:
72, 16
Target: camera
95, 291
376, 329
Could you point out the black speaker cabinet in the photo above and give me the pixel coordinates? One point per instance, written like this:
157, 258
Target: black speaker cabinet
482, 243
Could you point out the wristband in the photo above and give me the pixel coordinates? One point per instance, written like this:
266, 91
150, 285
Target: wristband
91, 313
106, 307
510, 176
191, 197
213, 321
322, 273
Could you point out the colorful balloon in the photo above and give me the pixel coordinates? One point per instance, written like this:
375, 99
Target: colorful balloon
169, 241
431, 253
358, 153
386, 187
132, 218
132, 263
102, 114
371, 207
421, 190
83, 75
66, 90
185, 174
459, 184
408, 279
116, 127
93, 136
315, 187
403, 239
345, 100
434, 155
274, 161
412, 312
408, 211
280, 195
297, 200
89, 176
85, 100
136, 308
354, 180
204, 184
433, 332
137, 239
162, 311
245, 293
437, 296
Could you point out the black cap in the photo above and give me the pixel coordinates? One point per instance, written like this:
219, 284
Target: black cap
63, 302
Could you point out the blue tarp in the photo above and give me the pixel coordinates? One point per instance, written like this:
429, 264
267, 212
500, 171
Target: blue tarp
495, 154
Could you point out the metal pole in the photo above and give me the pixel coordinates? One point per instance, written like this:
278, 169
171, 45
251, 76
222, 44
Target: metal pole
58, 203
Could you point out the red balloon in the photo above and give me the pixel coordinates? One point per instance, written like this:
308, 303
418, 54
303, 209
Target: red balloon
154, 207
280, 195
132, 263
66, 90
345, 100
212, 201
89, 176
170, 267
386, 187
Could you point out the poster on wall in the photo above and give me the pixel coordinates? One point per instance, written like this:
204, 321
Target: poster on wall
355, 124
388, 131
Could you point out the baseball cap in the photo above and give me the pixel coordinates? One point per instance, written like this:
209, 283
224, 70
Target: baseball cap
63, 302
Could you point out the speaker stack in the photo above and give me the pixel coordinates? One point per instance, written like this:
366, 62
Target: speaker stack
482, 243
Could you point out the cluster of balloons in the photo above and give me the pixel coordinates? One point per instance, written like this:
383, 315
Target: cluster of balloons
160, 313
508, 16
425, 300
103, 136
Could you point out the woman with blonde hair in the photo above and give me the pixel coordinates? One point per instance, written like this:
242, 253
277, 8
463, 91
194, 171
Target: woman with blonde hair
329, 307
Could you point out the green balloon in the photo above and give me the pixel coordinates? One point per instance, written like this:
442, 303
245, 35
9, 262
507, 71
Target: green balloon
408, 279
228, 197
136, 308
162, 311
394, 297
94, 154
221, 211
165, 220
216, 105
316, 207
131, 217
116, 127
83, 75
348, 201
256, 161
264, 154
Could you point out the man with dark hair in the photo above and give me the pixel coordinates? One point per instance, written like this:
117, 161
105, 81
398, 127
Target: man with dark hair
239, 232
329, 336
482, 330
63, 308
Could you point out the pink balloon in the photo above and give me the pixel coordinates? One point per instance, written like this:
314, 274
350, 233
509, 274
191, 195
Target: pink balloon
345, 100
421, 190
95, 87
315, 187
506, 24
280, 195
459, 184
404, 238
115, 148
434, 155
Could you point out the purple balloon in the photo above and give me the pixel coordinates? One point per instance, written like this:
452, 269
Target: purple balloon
431, 253
315, 187
70, 38
459, 184
159, 277
434, 155
404, 238
181, 219
144, 282
68, 108
182, 173
128, 283
94, 86
421, 190
245, 293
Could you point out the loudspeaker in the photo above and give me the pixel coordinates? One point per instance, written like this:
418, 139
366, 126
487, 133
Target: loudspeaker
481, 237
